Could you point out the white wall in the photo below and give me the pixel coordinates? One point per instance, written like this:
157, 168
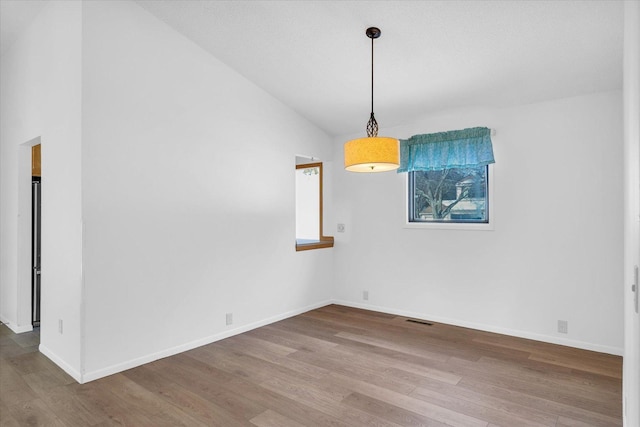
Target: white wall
556, 249
40, 85
631, 375
188, 195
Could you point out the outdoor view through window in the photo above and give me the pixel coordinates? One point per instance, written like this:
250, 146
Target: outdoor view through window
458, 195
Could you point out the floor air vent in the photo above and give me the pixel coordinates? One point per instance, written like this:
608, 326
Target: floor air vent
422, 322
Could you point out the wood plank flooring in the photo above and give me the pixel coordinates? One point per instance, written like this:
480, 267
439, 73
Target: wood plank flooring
335, 366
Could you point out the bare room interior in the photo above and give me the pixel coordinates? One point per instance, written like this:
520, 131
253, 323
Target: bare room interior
202, 221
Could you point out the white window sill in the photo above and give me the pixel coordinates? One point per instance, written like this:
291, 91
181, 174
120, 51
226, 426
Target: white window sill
448, 226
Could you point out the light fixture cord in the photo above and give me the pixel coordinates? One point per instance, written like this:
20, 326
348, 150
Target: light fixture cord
372, 76
372, 124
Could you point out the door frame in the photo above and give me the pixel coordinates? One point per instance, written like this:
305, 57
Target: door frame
25, 236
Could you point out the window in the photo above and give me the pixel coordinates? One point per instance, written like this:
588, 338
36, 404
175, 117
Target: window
455, 195
448, 179
309, 233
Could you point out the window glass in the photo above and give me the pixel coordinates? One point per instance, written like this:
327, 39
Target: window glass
458, 195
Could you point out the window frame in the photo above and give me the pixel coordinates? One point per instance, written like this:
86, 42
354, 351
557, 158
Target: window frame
325, 241
450, 225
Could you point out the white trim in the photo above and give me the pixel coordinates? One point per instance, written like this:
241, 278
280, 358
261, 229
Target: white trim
452, 225
15, 328
83, 281
449, 226
61, 363
617, 351
113, 369
110, 370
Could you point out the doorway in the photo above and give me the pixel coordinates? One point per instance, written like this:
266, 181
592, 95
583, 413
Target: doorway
36, 229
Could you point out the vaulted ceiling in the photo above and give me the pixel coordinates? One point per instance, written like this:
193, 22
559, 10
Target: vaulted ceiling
432, 55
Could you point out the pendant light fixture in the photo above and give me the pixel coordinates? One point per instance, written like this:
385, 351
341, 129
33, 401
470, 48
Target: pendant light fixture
373, 153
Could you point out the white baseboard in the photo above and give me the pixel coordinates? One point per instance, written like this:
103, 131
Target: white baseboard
123, 366
489, 328
15, 328
61, 363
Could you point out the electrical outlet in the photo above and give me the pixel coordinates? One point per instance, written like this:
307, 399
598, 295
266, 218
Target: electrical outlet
365, 295
229, 318
563, 326
60, 325
340, 228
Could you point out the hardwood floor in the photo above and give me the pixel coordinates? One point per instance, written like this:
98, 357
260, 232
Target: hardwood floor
333, 366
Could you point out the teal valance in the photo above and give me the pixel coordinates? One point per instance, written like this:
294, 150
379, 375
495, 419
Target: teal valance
464, 148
